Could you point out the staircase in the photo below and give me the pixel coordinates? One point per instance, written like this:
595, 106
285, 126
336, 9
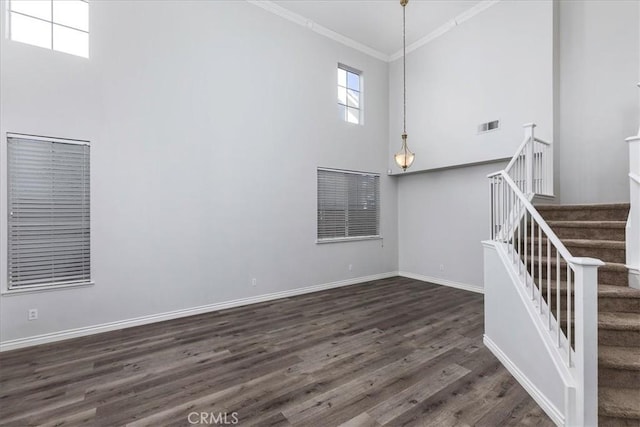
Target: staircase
598, 231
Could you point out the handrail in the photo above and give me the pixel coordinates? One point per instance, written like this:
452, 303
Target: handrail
518, 154
538, 218
541, 141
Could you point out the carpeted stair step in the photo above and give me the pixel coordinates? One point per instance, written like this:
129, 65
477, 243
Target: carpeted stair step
619, 329
605, 250
592, 230
618, 366
618, 299
610, 298
612, 273
600, 212
618, 406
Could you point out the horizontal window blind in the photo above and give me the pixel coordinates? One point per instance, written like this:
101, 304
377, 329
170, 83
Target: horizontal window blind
348, 204
49, 229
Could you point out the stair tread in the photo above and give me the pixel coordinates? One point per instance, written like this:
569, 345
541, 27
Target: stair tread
617, 291
589, 243
584, 206
619, 357
610, 266
611, 291
619, 402
619, 321
587, 224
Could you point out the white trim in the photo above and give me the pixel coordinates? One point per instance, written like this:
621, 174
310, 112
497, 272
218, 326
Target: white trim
548, 407
324, 31
464, 16
160, 317
19, 290
47, 138
347, 239
634, 277
352, 172
443, 282
317, 28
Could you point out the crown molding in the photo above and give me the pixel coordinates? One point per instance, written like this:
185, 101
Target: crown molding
324, 31
464, 16
317, 28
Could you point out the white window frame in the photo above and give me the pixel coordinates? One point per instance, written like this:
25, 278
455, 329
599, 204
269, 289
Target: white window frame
360, 91
7, 288
347, 237
51, 23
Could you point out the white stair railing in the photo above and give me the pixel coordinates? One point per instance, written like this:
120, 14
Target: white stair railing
560, 288
531, 168
633, 222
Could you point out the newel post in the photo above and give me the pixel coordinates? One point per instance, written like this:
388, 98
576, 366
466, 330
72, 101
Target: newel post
528, 134
586, 340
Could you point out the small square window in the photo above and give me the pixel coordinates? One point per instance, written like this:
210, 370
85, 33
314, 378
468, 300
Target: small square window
349, 95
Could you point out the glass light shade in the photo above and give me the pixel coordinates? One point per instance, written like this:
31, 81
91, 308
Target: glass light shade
404, 157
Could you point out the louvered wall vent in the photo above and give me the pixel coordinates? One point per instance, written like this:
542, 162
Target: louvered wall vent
489, 126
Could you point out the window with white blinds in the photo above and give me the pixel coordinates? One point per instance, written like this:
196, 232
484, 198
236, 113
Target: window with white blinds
48, 207
348, 205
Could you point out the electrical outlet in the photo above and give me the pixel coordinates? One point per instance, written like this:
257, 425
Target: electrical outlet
33, 314
350, 267
253, 281
441, 267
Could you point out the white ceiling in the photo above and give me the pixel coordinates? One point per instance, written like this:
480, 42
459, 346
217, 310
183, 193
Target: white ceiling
378, 23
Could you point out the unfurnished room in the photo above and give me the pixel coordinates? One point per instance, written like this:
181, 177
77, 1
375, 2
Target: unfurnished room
320, 213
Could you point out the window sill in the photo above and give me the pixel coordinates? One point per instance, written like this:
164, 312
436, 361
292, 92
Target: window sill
347, 239
45, 288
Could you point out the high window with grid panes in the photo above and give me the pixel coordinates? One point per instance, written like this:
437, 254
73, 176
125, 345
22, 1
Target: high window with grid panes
349, 94
61, 25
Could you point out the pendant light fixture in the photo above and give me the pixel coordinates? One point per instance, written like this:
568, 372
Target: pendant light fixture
404, 158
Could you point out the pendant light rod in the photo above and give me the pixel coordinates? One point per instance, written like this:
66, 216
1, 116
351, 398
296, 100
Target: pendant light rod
404, 66
404, 158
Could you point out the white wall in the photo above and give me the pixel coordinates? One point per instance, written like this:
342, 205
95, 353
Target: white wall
598, 98
526, 352
443, 216
190, 107
497, 65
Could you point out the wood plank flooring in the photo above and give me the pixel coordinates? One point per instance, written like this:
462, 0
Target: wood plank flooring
394, 352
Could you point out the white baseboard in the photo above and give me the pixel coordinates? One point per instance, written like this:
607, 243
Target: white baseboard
145, 320
443, 282
634, 277
553, 412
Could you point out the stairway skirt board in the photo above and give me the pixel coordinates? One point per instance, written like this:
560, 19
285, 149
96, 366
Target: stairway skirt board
598, 231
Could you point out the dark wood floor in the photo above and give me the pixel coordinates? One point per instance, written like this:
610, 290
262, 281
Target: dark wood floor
392, 352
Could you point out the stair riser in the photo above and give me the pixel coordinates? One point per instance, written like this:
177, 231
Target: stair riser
617, 422
585, 214
614, 377
605, 304
615, 278
626, 305
620, 338
604, 254
605, 277
615, 234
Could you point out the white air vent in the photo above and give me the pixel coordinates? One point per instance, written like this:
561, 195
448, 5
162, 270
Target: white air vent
489, 126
